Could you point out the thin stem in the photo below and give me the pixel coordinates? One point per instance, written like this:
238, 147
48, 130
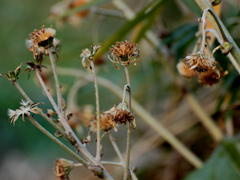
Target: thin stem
204, 25
124, 92
58, 88
47, 92
98, 154
42, 129
126, 171
116, 147
103, 162
78, 145
141, 112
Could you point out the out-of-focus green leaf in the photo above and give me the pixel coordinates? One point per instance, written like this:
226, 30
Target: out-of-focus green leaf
145, 13
192, 5
224, 164
83, 7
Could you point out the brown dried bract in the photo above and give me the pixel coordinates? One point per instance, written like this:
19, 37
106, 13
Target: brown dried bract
123, 51
63, 168
199, 62
105, 124
209, 78
120, 115
186, 72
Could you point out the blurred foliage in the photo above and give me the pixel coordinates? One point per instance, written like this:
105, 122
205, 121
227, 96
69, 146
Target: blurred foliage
174, 24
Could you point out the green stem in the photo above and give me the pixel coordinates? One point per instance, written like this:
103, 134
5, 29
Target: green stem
43, 130
127, 175
98, 154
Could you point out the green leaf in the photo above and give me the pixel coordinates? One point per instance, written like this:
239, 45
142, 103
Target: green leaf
83, 7
142, 15
223, 165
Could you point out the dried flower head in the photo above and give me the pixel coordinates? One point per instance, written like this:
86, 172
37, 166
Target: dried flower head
199, 62
12, 75
63, 168
185, 72
40, 40
24, 110
120, 115
209, 78
105, 124
87, 55
123, 52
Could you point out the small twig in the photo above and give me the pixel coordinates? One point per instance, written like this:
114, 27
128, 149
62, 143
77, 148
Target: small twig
204, 25
126, 171
124, 92
103, 162
116, 148
215, 49
37, 125
47, 92
98, 154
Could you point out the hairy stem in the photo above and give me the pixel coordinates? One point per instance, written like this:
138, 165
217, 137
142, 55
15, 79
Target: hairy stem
127, 175
47, 92
98, 156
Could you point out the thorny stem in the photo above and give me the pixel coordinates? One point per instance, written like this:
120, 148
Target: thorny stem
43, 130
79, 145
127, 175
58, 88
47, 92
98, 154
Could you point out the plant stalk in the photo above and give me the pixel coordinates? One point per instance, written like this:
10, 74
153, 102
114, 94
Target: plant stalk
127, 174
98, 153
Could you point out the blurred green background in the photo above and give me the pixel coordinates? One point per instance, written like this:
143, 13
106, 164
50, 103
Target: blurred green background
25, 153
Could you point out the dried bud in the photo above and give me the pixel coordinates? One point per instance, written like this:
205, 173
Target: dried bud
12, 75
105, 124
209, 78
226, 48
120, 115
63, 168
186, 72
123, 52
199, 62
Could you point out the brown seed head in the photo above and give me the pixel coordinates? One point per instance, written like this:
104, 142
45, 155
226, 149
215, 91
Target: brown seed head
186, 72
123, 51
209, 78
120, 115
199, 62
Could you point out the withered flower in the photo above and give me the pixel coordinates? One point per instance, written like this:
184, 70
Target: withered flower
40, 40
63, 168
186, 72
33, 66
88, 55
120, 115
209, 78
12, 75
105, 124
199, 62
24, 110
123, 52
